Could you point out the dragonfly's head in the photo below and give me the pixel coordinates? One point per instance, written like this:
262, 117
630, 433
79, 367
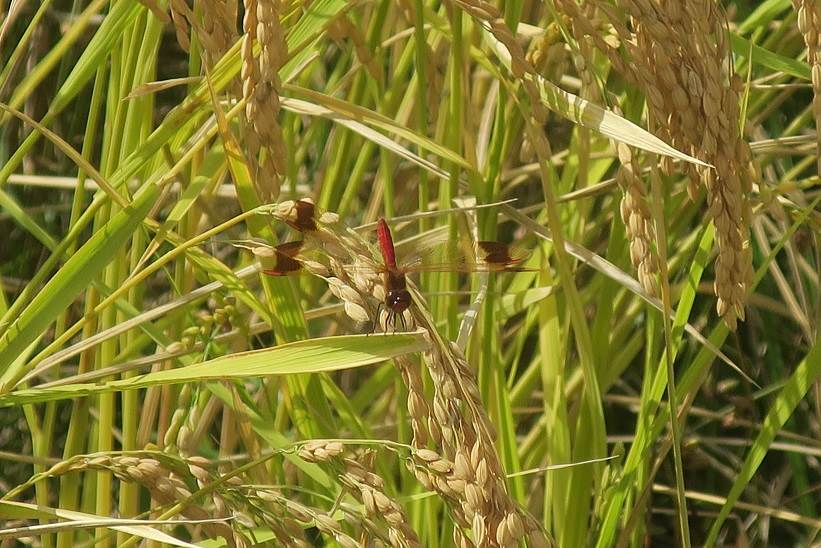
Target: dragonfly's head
398, 300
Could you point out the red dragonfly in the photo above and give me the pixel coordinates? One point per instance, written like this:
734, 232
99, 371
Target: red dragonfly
493, 257
496, 257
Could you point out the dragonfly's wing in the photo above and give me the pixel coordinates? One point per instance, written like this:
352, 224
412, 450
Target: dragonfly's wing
281, 260
302, 215
467, 256
286, 258
422, 244
499, 256
305, 216
432, 252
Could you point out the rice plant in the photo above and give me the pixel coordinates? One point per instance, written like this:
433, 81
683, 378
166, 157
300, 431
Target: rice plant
413, 273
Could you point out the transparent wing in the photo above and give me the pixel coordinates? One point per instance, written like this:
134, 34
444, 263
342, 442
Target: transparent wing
281, 260
467, 256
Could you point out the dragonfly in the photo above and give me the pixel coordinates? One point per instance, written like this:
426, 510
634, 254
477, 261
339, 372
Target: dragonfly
437, 256
494, 257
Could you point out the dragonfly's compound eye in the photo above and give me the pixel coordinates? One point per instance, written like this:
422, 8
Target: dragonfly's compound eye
398, 300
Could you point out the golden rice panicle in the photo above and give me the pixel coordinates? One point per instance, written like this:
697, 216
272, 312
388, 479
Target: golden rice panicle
218, 27
730, 184
181, 16
418, 408
282, 514
634, 210
678, 55
711, 131
250, 77
264, 141
465, 468
320, 450
369, 489
809, 23
635, 214
165, 478
382, 517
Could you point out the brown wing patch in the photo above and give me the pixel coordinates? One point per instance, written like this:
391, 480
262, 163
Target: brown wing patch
285, 259
499, 256
304, 216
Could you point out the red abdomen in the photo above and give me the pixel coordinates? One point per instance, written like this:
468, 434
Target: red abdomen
383, 233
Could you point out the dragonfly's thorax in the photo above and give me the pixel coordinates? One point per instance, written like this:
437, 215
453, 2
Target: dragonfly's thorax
397, 297
394, 279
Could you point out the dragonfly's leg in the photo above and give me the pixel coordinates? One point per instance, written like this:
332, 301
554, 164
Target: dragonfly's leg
402, 320
376, 318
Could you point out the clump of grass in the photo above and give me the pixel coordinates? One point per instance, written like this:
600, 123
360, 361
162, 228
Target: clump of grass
665, 167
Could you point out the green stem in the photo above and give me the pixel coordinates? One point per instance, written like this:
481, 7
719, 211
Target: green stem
421, 60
